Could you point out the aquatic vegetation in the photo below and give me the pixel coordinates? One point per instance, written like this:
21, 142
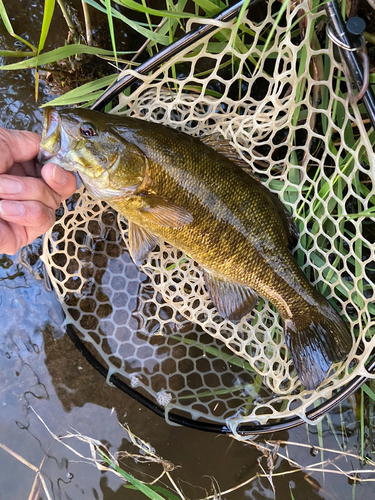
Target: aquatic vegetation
277, 459
39, 481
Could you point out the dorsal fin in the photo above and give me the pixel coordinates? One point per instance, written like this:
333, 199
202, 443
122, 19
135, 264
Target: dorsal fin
224, 147
287, 219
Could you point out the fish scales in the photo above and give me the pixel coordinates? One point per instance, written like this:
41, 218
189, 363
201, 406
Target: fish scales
223, 201
173, 187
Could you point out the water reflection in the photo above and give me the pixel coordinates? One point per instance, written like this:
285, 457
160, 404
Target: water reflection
26, 309
114, 306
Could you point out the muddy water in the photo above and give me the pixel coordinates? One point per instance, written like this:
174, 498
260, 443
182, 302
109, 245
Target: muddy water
43, 374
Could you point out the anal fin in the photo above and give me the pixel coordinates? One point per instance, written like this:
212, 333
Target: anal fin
231, 300
141, 243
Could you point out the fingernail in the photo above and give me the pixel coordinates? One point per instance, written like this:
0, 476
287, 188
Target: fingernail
10, 186
58, 175
11, 208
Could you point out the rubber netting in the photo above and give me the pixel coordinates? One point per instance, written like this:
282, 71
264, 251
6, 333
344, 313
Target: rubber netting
291, 120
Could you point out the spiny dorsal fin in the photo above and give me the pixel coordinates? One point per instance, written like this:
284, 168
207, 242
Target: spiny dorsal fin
224, 147
163, 212
231, 300
141, 242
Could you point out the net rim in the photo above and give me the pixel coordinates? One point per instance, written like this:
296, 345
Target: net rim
353, 382
242, 431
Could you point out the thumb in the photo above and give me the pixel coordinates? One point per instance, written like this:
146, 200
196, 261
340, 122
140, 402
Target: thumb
61, 181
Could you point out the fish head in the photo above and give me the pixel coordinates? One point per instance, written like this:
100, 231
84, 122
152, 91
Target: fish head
82, 140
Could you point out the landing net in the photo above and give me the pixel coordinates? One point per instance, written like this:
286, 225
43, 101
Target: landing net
292, 122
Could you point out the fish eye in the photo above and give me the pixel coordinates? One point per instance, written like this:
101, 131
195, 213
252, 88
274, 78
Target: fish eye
87, 130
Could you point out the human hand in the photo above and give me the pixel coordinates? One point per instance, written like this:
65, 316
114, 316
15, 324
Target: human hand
29, 194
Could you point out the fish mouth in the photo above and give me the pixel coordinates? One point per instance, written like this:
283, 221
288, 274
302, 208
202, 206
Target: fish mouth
43, 156
51, 136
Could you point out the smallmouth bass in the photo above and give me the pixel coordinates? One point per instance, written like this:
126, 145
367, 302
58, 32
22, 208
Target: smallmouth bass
180, 189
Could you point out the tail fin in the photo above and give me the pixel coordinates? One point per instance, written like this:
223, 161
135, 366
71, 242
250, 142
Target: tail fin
313, 348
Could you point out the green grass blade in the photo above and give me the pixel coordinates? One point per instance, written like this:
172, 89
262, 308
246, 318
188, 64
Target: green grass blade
5, 18
232, 358
142, 487
16, 53
89, 98
368, 391
58, 54
148, 17
209, 7
111, 30
49, 7
272, 31
366, 213
362, 417
85, 93
154, 37
160, 13
168, 494
9, 27
241, 13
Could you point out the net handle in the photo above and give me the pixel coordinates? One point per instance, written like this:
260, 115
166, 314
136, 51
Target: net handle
350, 58
242, 430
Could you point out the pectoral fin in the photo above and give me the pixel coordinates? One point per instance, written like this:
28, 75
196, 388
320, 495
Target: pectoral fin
141, 242
163, 212
231, 300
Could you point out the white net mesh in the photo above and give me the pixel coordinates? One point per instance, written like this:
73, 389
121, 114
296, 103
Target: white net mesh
291, 121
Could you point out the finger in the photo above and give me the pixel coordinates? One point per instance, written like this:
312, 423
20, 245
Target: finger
17, 146
28, 213
26, 168
28, 188
62, 182
10, 241
16, 169
13, 236
30, 168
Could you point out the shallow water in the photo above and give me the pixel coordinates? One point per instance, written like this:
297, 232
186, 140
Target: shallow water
43, 374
